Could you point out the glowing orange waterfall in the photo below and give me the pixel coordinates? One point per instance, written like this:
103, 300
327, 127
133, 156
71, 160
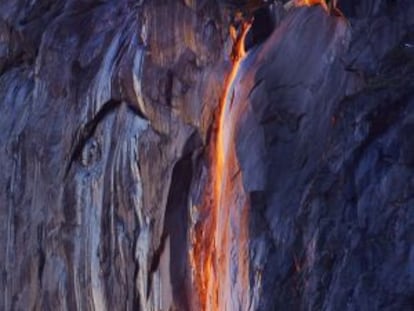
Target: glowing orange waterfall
237, 56
219, 242
315, 2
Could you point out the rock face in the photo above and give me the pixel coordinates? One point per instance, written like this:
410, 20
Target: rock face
331, 218
107, 109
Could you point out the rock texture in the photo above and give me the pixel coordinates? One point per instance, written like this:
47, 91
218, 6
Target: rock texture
101, 110
106, 116
331, 217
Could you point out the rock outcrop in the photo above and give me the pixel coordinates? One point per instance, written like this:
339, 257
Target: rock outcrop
107, 113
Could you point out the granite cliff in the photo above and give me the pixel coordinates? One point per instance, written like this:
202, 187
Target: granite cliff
108, 126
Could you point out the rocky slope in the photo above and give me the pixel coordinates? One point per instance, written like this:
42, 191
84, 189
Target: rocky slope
107, 113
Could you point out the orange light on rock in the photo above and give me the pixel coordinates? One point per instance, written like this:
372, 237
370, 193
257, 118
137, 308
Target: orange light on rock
208, 256
311, 3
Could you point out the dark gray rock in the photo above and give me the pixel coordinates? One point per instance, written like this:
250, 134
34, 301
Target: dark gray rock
100, 114
331, 227
106, 118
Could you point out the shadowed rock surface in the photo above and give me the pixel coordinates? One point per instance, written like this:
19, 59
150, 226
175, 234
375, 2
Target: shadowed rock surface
106, 113
331, 216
